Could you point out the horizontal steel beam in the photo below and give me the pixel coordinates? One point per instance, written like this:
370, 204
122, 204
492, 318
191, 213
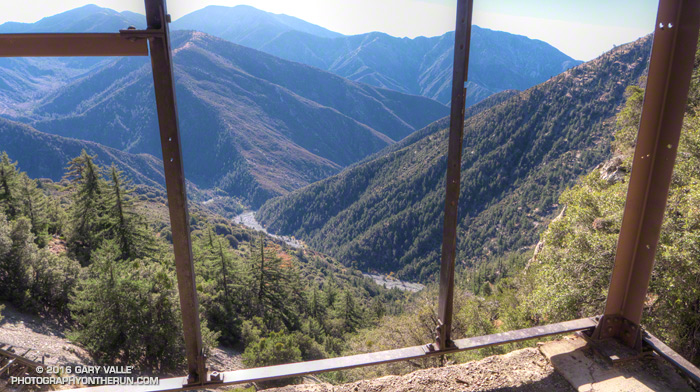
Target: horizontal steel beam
70, 45
673, 357
377, 358
19, 359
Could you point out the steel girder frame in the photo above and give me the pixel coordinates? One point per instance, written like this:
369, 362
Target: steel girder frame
133, 42
665, 100
161, 60
663, 110
454, 168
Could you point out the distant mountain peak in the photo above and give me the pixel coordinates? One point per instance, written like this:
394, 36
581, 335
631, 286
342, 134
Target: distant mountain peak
246, 25
89, 18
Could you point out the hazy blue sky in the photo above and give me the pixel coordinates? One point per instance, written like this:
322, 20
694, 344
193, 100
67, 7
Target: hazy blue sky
582, 29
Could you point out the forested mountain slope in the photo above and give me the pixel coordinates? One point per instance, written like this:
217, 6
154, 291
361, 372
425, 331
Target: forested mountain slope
568, 274
422, 66
42, 155
386, 214
95, 253
252, 124
571, 272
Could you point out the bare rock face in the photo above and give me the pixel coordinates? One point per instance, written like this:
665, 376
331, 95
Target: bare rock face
606, 225
540, 244
612, 170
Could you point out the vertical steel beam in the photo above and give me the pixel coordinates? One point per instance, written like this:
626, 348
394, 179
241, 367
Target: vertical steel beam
665, 99
454, 164
161, 61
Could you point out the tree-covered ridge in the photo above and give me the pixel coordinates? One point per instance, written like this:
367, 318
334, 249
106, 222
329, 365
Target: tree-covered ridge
386, 214
569, 274
572, 271
95, 252
43, 155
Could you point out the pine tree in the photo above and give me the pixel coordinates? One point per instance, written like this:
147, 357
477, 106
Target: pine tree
127, 311
330, 289
271, 283
88, 205
350, 313
18, 254
226, 272
9, 202
33, 203
317, 307
121, 222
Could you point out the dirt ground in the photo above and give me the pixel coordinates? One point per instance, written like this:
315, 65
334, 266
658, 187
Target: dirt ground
525, 370
47, 339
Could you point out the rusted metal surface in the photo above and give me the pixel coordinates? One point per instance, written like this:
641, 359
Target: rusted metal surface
673, 357
13, 364
19, 358
665, 99
68, 44
353, 361
454, 167
161, 60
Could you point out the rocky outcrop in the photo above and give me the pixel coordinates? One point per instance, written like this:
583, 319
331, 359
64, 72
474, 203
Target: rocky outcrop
612, 170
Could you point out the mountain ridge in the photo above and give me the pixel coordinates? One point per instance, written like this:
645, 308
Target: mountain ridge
420, 66
89, 18
42, 155
252, 124
385, 214
246, 25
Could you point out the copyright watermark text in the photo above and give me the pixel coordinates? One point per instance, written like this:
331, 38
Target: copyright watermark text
84, 375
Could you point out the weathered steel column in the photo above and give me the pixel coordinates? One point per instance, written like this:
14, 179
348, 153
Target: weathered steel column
454, 164
161, 61
665, 99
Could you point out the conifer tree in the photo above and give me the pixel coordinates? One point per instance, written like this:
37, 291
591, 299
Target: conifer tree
9, 202
330, 289
33, 203
127, 311
350, 312
271, 284
121, 222
88, 205
18, 254
225, 272
317, 306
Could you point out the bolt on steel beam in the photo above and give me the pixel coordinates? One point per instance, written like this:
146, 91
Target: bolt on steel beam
454, 166
665, 100
161, 61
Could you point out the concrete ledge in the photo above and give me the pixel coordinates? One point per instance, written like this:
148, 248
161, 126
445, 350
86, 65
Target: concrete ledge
575, 361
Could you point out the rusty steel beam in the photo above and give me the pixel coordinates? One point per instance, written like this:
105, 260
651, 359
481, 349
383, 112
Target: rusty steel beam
332, 364
69, 44
665, 99
454, 166
673, 357
162, 64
